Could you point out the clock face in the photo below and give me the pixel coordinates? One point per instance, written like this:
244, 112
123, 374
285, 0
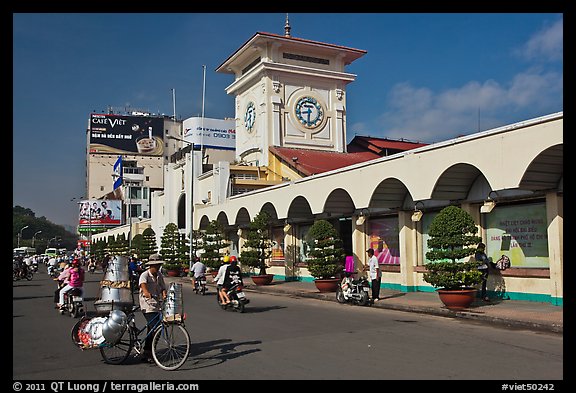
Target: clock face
309, 112
250, 117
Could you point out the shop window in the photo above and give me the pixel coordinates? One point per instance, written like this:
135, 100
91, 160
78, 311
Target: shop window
384, 239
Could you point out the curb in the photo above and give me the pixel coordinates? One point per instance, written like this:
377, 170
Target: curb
440, 312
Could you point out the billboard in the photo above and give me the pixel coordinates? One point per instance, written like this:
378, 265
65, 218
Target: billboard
220, 134
99, 213
121, 134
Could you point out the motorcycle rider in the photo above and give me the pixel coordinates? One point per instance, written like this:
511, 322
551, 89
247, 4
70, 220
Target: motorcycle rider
232, 276
219, 280
76, 280
199, 270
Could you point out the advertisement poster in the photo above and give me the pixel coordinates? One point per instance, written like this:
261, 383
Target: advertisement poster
217, 133
99, 213
278, 244
384, 239
126, 134
519, 232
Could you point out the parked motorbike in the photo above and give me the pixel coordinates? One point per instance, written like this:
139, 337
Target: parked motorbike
200, 285
73, 303
353, 291
237, 297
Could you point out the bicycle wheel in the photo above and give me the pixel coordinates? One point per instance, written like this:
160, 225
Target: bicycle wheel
119, 352
170, 346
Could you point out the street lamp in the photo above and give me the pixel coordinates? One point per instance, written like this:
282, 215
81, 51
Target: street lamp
189, 216
34, 236
20, 235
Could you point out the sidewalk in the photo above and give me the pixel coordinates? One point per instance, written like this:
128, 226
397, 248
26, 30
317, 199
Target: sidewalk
511, 313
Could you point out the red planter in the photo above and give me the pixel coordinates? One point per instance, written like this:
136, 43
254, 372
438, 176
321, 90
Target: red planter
457, 299
327, 285
173, 273
264, 279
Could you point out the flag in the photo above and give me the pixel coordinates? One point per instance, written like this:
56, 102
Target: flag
117, 175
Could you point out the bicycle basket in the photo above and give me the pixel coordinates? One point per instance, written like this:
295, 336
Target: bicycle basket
87, 332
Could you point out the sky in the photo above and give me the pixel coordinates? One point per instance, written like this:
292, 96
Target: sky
425, 77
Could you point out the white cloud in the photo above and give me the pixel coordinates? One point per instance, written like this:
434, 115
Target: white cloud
545, 45
418, 113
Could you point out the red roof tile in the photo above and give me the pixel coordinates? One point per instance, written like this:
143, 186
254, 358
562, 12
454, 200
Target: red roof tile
309, 162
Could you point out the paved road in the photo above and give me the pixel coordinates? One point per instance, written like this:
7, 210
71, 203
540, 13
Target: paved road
285, 338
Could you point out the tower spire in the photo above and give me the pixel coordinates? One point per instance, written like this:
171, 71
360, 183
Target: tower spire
287, 27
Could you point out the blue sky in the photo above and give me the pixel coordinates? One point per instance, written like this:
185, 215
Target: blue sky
426, 77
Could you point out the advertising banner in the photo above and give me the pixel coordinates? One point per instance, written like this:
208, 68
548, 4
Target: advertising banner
519, 232
98, 213
385, 240
126, 134
217, 133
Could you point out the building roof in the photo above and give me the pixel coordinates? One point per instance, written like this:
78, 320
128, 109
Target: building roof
381, 146
349, 54
309, 162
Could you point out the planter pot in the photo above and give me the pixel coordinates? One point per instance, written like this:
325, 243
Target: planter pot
173, 273
327, 285
264, 279
457, 299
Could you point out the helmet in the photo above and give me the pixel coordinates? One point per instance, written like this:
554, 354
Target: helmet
226, 259
233, 259
75, 262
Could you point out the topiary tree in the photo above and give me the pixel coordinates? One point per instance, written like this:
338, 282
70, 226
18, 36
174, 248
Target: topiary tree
213, 242
326, 256
148, 244
258, 246
137, 241
170, 247
452, 233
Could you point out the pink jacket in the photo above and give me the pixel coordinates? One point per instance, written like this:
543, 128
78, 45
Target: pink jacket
76, 277
64, 276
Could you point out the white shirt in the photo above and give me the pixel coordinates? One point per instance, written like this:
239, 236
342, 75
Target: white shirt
221, 274
199, 269
374, 268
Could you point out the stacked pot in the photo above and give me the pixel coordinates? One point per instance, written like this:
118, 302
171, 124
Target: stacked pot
115, 292
174, 306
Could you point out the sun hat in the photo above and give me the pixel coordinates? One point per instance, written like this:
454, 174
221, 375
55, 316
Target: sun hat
154, 259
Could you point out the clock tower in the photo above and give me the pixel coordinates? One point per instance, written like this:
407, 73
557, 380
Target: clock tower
290, 92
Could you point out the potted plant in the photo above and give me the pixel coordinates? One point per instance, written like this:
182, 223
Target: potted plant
258, 248
452, 237
326, 256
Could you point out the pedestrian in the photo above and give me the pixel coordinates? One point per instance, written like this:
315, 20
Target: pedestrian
484, 264
375, 275
152, 292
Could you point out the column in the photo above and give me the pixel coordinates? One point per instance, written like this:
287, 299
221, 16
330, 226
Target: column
555, 215
359, 225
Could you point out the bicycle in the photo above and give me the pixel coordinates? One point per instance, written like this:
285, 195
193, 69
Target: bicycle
170, 342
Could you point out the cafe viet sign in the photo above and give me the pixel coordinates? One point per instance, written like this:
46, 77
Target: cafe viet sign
121, 134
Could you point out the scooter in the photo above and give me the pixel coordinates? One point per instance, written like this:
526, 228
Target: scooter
237, 297
200, 285
73, 303
353, 291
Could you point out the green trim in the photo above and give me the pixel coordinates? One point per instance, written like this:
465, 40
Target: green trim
530, 297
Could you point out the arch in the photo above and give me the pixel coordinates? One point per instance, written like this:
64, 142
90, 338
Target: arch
339, 203
223, 219
181, 212
545, 171
391, 193
243, 217
300, 209
455, 182
269, 208
204, 222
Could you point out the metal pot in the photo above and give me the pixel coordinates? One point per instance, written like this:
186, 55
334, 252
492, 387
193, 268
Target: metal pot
174, 301
117, 269
108, 294
111, 330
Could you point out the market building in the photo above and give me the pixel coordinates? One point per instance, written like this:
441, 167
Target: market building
291, 160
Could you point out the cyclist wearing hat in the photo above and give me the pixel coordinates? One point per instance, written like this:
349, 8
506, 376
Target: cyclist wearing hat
152, 289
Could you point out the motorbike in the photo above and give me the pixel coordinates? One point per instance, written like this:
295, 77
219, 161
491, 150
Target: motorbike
19, 273
73, 303
237, 297
353, 291
200, 285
